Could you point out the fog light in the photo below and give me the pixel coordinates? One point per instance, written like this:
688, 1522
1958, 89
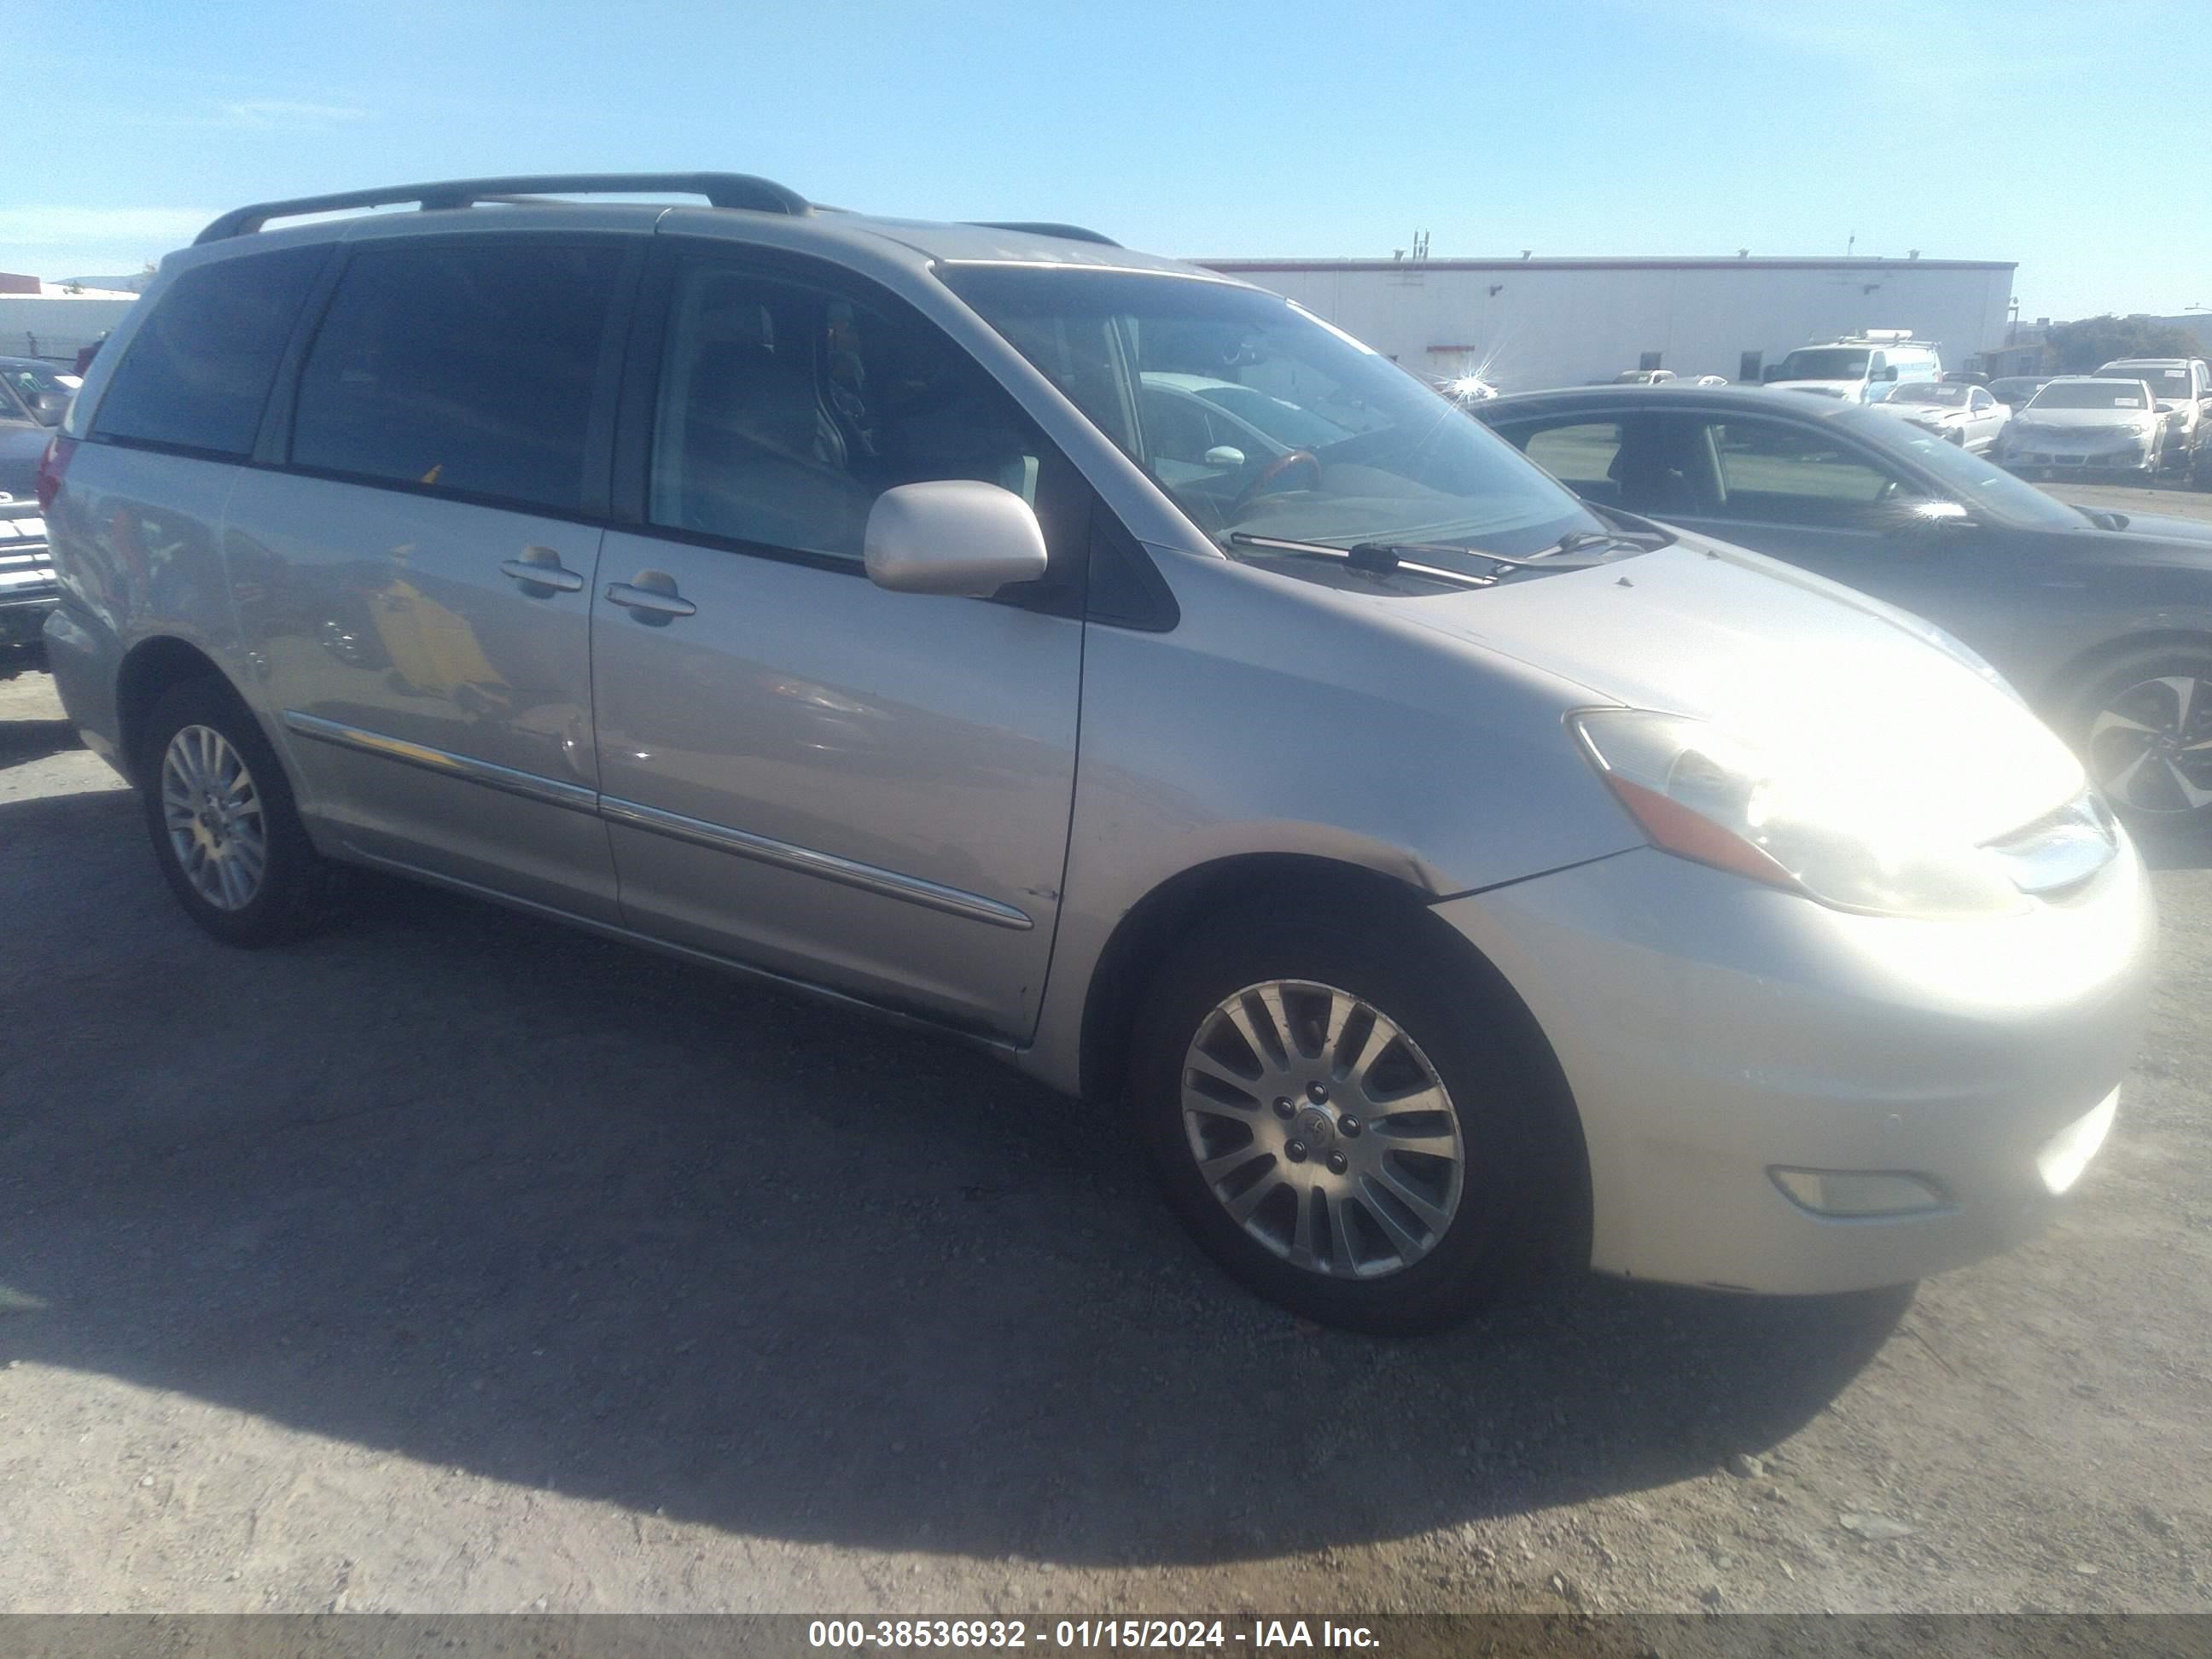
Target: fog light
2067, 1153
1851, 1192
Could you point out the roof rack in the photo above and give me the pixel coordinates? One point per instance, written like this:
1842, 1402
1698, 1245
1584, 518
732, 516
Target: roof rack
721, 190
1046, 228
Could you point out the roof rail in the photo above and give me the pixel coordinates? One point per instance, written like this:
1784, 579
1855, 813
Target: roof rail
722, 190
1046, 228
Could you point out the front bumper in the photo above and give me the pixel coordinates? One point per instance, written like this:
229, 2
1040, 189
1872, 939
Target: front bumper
1714, 1030
2059, 454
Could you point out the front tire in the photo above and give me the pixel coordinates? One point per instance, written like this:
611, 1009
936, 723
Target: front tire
221, 816
1371, 1135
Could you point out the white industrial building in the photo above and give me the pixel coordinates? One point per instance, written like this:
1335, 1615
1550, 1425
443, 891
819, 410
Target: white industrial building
1526, 322
53, 321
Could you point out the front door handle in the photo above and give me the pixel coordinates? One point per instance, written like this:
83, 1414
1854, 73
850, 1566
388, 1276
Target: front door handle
541, 573
651, 597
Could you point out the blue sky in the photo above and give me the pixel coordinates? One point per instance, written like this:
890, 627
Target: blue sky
2068, 136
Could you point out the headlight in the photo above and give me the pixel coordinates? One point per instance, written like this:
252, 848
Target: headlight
1842, 835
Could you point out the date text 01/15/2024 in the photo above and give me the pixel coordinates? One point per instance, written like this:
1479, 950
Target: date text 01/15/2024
1259, 1636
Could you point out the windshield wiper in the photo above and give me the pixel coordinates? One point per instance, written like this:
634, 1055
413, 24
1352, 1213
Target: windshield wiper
1372, 558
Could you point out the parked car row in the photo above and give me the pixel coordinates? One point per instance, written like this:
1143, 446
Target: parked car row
32, 399
1104, 661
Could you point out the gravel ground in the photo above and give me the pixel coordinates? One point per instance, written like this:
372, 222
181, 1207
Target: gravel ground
454, 1262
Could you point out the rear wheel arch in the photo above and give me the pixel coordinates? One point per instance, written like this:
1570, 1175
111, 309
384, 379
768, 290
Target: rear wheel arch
151, 667
2064, 691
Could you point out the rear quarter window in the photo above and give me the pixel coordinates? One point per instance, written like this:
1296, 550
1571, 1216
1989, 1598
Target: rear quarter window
199, 372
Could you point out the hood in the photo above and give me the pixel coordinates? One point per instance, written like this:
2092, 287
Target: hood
1921, 411
2194, 534
2061, 418
1784, 659
1853, 390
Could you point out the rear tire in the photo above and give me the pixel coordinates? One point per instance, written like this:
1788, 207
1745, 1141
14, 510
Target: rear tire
1389, 1180
221, 816
2135, 723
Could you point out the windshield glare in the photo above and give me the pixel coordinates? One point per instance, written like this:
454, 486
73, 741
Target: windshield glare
1831, 363
1255, 417
2091, 394
1929, 391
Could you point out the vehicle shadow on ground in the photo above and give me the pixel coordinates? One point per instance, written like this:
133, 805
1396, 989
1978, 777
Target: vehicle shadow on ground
497, 1197
29, 741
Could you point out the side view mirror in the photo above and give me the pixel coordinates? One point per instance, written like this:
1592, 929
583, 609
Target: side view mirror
1942, 515
1224, 456
952, 536
50, 407
1889, 374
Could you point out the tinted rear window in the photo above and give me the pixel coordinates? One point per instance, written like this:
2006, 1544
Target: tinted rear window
467, 367
199, 371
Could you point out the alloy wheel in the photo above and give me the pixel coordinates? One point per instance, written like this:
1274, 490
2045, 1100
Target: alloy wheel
2150, 747
1322, 1129
212, 812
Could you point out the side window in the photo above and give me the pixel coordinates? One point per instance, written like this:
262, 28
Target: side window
1978, 400
786, 408
1581, 457
1176, 427
1788, 474
462, 365
200, 367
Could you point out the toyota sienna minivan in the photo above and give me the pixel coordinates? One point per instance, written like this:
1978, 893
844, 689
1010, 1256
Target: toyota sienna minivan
1436, 873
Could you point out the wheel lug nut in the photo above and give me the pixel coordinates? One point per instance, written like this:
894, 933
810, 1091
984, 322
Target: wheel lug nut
1338, 1163
1316, 1094
1295, 1152
1282, 1107
1347, 1127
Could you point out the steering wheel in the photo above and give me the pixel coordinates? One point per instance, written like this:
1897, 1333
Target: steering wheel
1273, 470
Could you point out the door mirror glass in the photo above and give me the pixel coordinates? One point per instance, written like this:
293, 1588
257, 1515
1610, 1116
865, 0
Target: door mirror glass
1942, 515
952, 536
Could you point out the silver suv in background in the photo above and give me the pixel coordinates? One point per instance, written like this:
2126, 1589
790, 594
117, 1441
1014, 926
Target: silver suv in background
2182, 388
1433, 872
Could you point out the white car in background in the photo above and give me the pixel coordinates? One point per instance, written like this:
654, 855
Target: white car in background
2085, 423
1967, 415
1860, 368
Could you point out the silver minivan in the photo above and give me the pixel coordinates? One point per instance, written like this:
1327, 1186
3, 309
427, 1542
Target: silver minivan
1120, 668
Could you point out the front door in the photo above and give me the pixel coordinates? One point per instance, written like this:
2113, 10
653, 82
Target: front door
800, 770
1803, 492
416, 579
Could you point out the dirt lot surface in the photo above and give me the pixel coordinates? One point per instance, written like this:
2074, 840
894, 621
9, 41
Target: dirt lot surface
451, 1261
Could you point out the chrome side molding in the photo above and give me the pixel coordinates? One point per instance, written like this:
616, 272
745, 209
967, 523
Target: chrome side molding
576, 798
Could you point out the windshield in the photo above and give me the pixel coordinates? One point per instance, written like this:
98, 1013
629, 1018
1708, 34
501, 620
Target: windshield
1929, 391
1985, 490
2091, 394
2170, 383
1255, 417
1827, 363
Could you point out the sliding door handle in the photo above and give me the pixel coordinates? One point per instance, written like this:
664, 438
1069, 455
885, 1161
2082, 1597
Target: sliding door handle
540, 572
651, 597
